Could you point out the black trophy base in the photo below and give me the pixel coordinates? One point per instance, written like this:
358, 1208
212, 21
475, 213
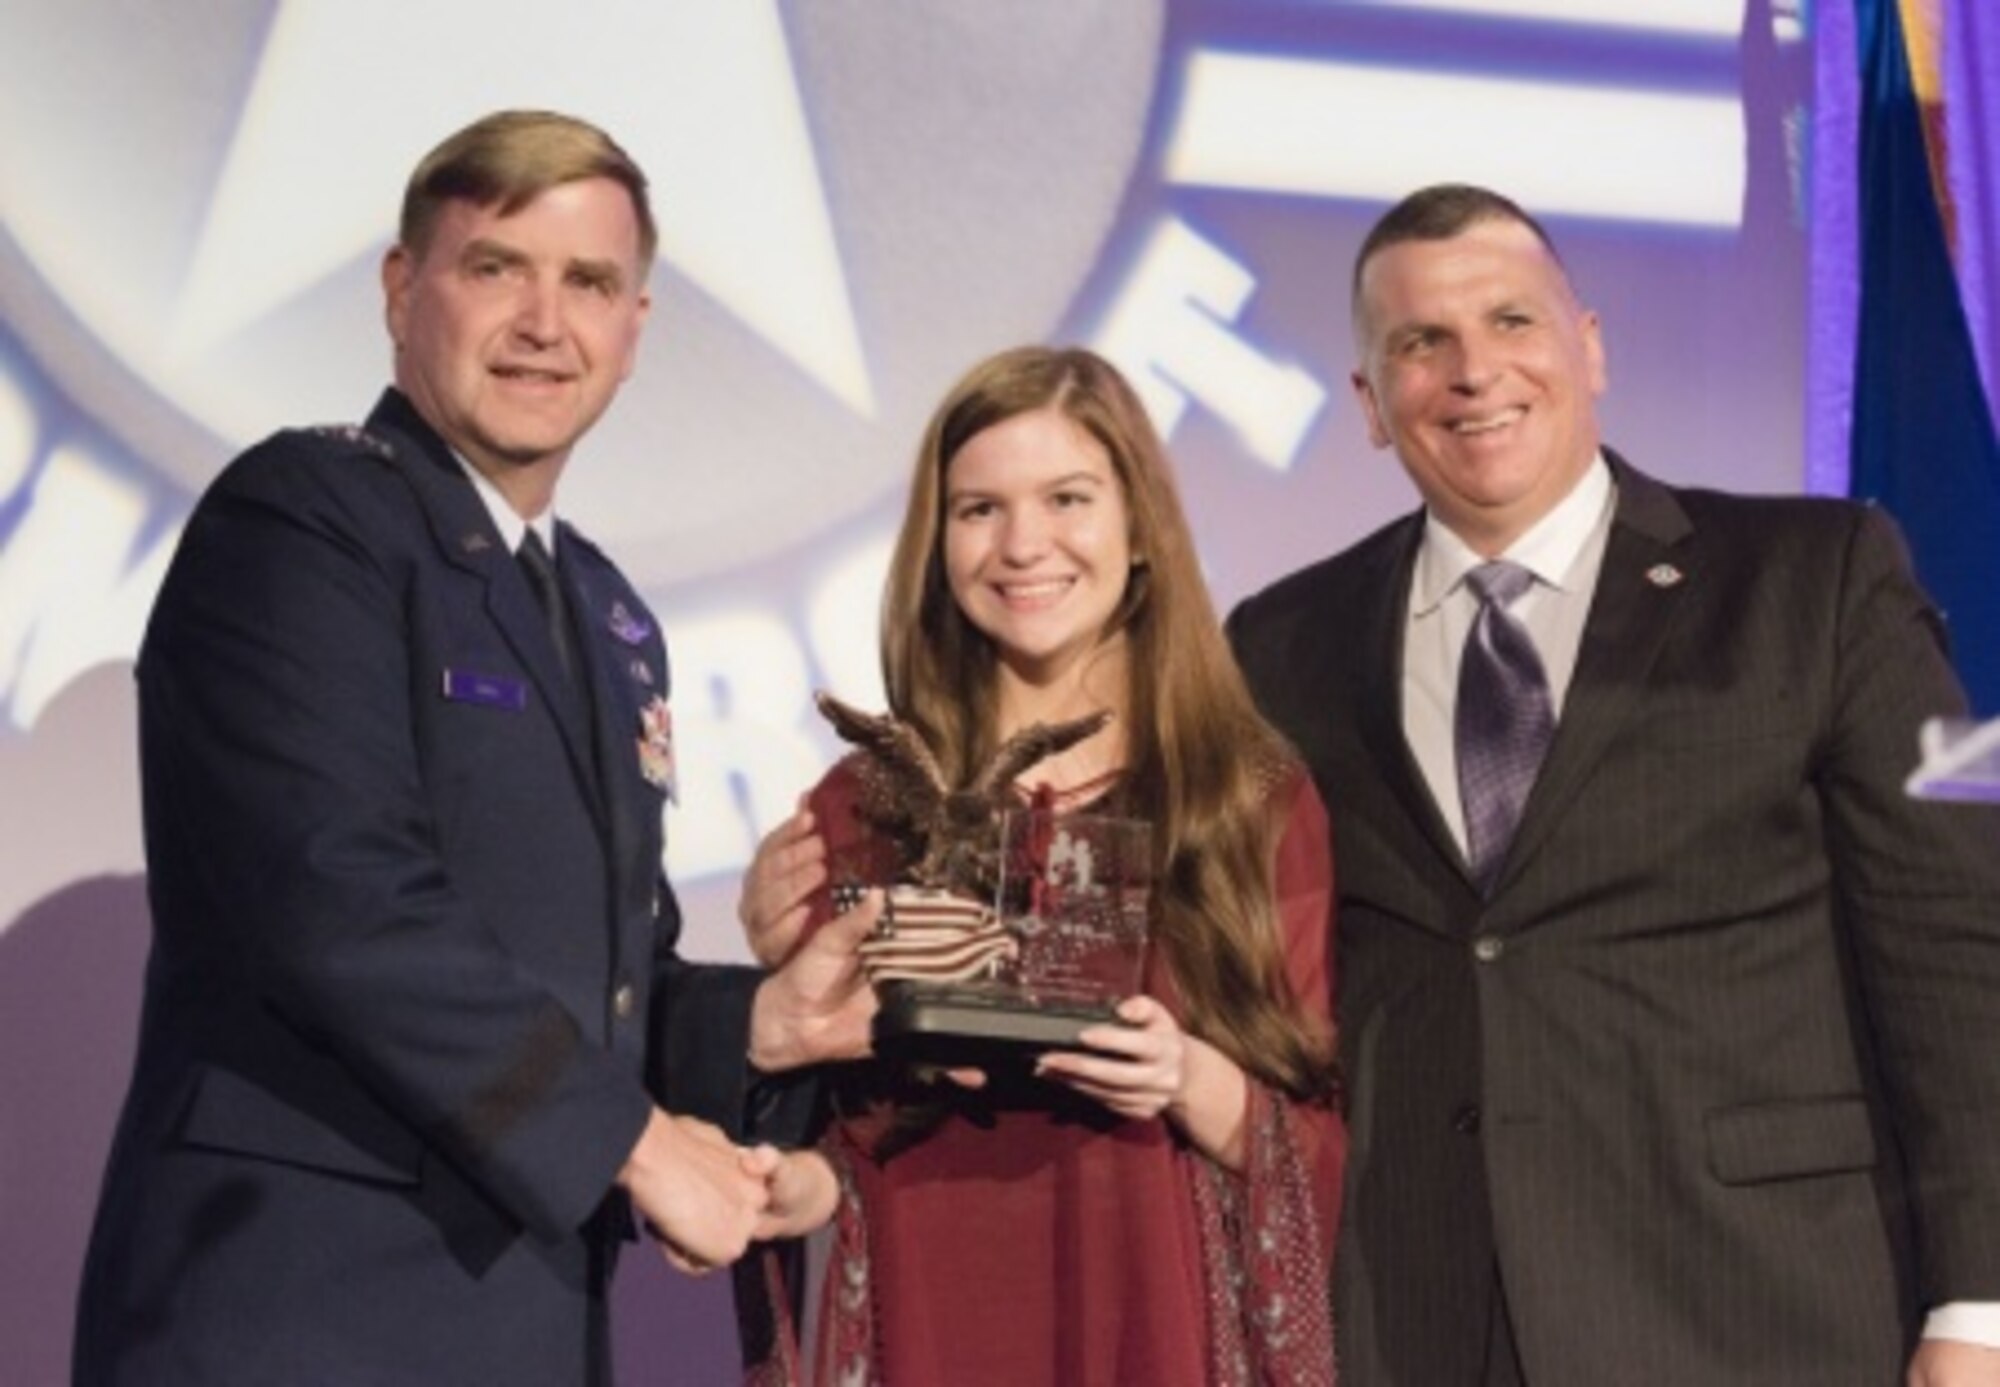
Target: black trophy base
937, 1023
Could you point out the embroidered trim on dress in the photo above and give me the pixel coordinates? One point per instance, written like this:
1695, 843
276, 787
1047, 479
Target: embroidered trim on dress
1269, 1297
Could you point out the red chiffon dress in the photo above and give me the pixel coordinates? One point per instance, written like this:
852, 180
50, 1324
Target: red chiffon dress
1022, 1234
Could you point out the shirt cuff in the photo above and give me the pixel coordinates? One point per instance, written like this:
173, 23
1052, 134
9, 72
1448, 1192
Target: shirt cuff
1967, 1321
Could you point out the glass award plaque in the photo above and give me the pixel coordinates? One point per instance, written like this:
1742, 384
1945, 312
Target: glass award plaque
1060, 943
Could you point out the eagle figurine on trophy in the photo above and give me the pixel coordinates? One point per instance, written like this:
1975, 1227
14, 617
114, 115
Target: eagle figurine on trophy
940, 955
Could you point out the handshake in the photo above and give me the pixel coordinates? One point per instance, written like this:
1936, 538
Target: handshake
706, 1198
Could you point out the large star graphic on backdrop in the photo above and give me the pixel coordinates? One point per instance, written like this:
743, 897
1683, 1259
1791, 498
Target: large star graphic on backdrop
702, 94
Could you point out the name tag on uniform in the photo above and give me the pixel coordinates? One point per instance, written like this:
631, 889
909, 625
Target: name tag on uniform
486, 690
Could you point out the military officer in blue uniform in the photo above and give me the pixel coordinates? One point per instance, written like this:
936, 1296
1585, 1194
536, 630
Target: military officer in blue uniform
416, 1040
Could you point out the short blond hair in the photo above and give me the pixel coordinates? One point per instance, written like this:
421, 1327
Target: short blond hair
510, 158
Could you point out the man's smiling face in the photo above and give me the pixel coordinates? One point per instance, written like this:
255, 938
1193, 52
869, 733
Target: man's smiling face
514, 331
1481, 370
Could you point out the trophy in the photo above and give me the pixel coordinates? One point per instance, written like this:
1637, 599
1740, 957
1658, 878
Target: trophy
1010, 927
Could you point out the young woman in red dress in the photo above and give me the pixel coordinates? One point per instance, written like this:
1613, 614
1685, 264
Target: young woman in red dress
1160, 1207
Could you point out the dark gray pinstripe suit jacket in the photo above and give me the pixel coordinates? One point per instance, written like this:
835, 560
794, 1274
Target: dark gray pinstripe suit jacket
1714, 1077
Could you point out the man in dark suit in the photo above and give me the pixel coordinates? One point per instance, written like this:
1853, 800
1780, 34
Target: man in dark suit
1669, 1022
405, 750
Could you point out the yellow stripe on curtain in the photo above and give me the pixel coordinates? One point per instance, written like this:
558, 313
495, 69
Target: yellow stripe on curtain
1924, 40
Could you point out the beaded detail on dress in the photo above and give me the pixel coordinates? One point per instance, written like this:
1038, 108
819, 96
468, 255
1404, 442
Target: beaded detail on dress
1269, 1294
847, 1345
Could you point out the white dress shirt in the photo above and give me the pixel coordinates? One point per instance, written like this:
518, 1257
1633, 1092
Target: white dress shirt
1564, 550
513, 529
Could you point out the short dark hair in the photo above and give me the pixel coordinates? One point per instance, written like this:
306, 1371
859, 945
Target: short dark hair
1438, 213
510, 158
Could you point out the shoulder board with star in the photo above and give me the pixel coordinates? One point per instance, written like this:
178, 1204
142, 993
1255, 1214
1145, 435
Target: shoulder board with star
351, 436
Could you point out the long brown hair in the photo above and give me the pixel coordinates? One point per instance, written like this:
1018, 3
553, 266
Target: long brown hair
1201, 760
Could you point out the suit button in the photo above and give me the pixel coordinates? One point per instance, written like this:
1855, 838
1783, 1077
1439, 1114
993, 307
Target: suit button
1465, 1119
624, 1001
1488, 947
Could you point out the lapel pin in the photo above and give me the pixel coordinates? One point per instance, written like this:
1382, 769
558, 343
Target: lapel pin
642, 672
1664, 575
475, 543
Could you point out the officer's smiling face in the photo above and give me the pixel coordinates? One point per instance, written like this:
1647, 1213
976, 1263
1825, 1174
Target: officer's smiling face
514, 331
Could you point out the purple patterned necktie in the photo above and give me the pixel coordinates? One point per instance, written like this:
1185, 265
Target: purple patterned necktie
1503, 720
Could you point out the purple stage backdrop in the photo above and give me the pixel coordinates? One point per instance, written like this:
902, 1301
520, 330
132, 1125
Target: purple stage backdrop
858, 200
